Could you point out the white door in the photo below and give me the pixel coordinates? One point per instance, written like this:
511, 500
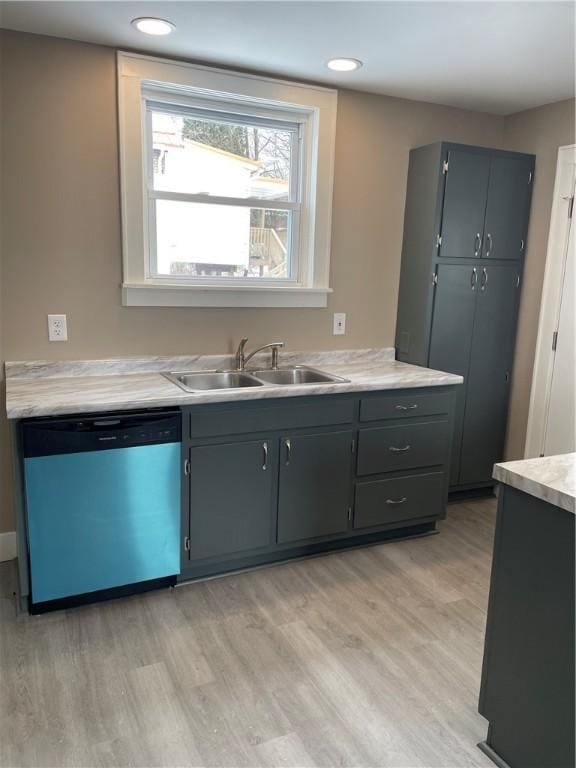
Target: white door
552, 416
560, 428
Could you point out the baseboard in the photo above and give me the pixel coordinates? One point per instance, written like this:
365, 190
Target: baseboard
7, 546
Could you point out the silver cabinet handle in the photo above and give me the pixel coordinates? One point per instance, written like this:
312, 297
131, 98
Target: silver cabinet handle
288, 445
265, 455
484, 279
477, 243
473, 278
399, 450
517, 281
397, 501
489, 241
406, 407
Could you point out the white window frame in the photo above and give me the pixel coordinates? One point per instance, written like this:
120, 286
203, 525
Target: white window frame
143, 79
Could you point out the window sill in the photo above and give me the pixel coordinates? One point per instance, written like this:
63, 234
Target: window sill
170, 295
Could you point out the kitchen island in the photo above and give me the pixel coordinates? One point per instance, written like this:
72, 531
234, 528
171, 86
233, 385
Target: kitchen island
527, 690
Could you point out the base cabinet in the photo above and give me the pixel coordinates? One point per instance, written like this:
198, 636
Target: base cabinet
528, 691
276, 480
231, 488
314, 486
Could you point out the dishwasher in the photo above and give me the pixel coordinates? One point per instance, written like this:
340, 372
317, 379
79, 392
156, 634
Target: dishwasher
102, 504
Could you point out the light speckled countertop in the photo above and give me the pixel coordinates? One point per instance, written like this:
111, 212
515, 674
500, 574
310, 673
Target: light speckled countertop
550, 478
55, 388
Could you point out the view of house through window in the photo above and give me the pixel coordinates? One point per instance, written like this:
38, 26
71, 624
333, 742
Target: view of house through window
224, 195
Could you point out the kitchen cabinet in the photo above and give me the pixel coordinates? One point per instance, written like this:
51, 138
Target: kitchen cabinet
484, 424
451, 338
465, 227
527, 692
506, 207
275, 480
231, 488
486, 198
314, 486
464, 204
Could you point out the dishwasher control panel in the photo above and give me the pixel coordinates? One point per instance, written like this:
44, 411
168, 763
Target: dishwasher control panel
93, 433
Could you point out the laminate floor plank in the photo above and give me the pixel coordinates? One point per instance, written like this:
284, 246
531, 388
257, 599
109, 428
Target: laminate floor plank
368, 658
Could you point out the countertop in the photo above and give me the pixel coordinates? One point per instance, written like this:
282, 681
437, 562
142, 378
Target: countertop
550, 478
41, 388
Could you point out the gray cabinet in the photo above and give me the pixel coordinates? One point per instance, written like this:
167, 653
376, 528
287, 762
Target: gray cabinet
507, 207
314, 485
527, 691
464, 237
451, 336
484, 424
231, 502
464, 204
267, 481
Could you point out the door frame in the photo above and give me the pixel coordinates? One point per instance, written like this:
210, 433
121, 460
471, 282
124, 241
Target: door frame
550, 303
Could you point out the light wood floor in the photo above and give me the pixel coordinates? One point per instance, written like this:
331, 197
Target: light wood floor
367, 658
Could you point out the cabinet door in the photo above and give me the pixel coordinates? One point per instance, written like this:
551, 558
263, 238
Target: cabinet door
507, 207
231, 504
451, 337
489, 374
464, 204
315, 485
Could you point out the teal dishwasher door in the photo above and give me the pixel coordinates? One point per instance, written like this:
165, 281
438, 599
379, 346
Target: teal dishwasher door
102, 519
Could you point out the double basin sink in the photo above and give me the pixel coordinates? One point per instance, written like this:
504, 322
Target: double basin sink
193, 381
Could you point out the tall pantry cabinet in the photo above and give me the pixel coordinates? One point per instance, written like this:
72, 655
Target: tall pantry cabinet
465, 227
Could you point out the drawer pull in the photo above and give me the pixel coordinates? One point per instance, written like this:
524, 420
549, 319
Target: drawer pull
399, 450
397, 501
406, 407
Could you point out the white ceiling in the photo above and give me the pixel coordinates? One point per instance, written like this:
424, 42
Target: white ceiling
498, 57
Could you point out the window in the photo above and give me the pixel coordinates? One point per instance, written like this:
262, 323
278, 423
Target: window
226, 187
223, 194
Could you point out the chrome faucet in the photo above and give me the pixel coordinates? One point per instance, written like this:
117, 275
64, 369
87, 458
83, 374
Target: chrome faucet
242, 358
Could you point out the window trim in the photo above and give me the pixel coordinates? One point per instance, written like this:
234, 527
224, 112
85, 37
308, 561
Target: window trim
143, 79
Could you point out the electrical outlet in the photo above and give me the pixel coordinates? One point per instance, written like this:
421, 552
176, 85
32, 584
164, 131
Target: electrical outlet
57, 328
339, 325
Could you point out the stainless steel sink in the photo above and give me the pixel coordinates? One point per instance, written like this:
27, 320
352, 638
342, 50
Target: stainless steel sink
191, 381
299, 374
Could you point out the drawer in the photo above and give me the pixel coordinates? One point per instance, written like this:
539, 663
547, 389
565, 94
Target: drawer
206, 421
402, 446
402, 404
380, 502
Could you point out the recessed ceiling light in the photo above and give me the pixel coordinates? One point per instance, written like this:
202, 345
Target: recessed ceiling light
344, 65
152, 26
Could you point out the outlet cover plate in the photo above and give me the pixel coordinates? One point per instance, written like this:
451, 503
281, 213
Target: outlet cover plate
339, 324
57, 328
